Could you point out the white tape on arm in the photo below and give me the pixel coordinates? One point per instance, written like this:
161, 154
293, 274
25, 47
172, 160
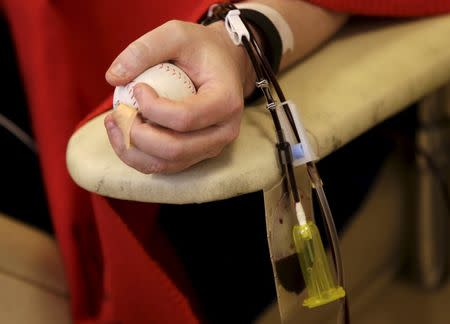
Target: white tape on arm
286, 35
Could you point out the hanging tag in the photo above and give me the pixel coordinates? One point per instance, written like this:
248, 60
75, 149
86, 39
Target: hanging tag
280, 219
302, 151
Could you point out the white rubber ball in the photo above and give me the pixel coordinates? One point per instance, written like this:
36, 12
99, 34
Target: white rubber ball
167, 79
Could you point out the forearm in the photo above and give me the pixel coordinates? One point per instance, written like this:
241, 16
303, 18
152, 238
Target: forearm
311, 26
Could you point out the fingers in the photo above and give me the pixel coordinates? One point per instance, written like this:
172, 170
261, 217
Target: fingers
211, 106
132, 156
178, 134
174, 146
159, 150
140, 55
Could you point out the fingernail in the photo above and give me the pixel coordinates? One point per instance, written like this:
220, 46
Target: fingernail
118, 70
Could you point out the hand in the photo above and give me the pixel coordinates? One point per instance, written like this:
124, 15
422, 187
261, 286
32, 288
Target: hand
177, 135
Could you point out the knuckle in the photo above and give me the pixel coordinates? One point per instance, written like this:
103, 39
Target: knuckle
121, 151
174, 151
177, 28
129, 161
137, 50
153, 167
215, 153
232, 133
183, 122
236, 104
145, 169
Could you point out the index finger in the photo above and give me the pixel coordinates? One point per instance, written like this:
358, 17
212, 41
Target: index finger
211, 105
162, 44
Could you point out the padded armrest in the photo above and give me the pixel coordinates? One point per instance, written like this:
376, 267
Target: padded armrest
371, 70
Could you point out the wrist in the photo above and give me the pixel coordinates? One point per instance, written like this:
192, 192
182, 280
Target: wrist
240, 57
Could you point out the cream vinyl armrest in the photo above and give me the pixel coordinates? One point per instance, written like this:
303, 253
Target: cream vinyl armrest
371, 70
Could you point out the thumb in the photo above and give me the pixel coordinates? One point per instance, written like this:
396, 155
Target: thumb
159, 45
130, 63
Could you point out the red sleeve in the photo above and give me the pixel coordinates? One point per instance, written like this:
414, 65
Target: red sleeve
398, 8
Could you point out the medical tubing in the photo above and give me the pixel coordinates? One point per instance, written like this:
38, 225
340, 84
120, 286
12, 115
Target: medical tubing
15, 130
314, 175
331, 232
264, 71
268, 72
271, 105
312, 171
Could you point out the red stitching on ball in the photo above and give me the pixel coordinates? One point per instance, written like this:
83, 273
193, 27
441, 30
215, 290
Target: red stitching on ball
181, 76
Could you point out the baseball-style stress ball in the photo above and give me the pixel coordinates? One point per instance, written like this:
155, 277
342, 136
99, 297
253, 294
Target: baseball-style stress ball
167, 79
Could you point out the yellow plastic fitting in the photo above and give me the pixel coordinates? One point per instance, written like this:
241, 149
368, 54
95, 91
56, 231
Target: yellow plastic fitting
319, 281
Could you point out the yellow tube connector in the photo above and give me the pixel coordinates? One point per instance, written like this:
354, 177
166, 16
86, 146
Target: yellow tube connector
319, 281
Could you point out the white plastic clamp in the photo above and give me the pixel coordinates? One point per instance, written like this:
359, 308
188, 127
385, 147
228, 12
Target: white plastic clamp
302, 152
235, 27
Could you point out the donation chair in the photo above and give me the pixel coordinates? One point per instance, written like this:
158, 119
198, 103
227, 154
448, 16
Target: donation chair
369, 72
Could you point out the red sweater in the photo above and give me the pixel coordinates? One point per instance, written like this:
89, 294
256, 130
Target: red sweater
397, 8
119, 266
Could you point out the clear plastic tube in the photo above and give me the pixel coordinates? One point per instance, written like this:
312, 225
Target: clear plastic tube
18, 133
